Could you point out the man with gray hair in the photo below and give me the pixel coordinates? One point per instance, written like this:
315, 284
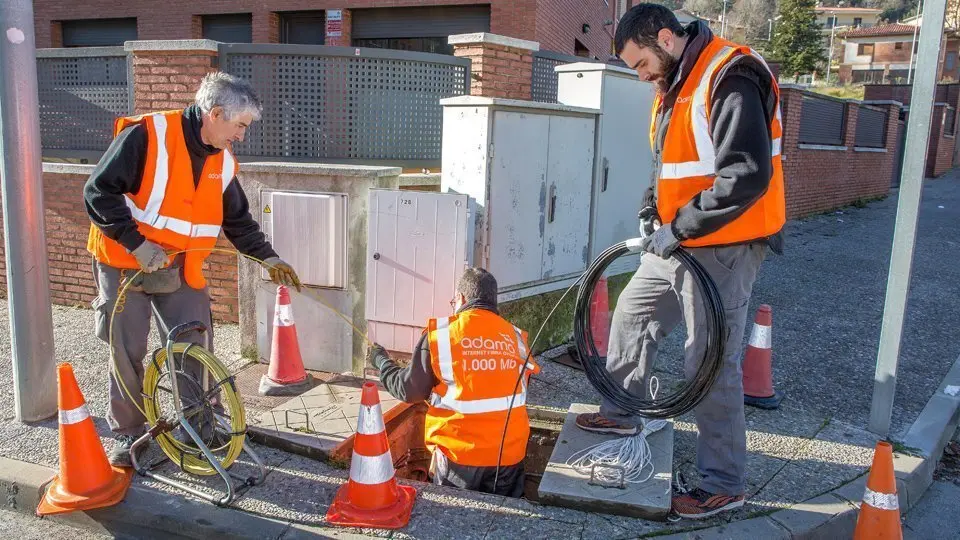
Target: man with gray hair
467, 367
158, 200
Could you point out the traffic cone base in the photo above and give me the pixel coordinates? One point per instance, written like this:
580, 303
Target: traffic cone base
269, 387
758, 364
395, 516
58, 501
86, 479
769, 402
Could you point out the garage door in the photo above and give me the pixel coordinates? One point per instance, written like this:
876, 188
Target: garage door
414, 22
98, 32
234, 28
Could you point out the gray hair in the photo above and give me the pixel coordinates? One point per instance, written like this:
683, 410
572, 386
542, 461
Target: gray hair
478, 284
233, 94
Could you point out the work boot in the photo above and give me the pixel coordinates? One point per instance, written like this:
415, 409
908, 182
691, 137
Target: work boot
700, 504
120, 454
597, 423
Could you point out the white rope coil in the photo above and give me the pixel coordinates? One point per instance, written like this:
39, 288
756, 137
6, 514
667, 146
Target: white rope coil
632, 454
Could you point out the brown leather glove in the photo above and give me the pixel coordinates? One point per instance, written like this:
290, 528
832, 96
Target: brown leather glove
282, 273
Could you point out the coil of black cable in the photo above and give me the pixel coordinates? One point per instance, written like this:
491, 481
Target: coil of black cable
694, 390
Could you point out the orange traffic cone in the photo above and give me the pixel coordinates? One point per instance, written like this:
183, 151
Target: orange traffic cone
600, 317
86, 479
372, 497
285, 376
880, 511
758, 364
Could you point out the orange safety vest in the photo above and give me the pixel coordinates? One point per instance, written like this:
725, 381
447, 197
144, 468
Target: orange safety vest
477, 355
689, 162
168, 209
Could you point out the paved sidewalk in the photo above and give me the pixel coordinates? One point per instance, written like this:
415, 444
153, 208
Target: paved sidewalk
827, 296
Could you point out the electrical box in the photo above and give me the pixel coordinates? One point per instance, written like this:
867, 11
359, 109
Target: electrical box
529, 168
624, 166
309, 232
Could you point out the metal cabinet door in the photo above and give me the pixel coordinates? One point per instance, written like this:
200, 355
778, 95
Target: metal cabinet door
566, 233
416, 250
518, 197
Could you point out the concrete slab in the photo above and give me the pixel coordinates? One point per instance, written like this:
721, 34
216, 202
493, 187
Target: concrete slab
815, 513
563, 486
319, 419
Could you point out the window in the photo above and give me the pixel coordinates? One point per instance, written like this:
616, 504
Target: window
437, 45
857, 21
423, 29
303, 27
898, 45
579, 49
949, 60
831, 22
234, 28
865, 49
98, 32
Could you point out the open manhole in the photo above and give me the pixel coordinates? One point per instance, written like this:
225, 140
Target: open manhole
411, 459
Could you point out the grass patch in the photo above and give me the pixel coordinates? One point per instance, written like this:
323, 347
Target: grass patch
842, 92
529, 313
250, 352
901, 448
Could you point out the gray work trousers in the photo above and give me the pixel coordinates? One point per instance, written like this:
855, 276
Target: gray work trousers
131, 327
661, 294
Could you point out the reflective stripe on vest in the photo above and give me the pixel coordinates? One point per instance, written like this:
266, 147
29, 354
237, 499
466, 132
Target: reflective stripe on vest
476, 357
688, 158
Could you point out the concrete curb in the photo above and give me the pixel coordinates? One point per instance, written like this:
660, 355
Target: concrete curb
144, 511
834, 514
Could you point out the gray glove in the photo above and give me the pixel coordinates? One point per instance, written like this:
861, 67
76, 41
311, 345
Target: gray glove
151, 257
662, 242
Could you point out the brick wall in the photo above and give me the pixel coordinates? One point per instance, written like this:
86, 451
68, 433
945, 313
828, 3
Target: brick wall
888, 52
817, 179
555, 23
343, 40
168, 79
498, 70
946, 93
560, 22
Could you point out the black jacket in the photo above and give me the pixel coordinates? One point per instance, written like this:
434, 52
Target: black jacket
120, 171
742, 105
415, 382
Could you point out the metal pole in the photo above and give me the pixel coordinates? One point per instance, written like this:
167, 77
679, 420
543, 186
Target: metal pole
28, 286
913, 43
911, 185
833, 29
723, 20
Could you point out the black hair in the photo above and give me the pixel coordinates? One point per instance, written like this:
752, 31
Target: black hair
478, 284
643, 22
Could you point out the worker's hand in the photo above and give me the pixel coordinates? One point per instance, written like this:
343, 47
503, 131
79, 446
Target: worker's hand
662, 242
151, 257
376, 354
282, 273
649, 220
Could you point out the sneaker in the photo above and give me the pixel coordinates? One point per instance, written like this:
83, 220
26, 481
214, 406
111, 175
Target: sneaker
699, 504
596, 423
120, 454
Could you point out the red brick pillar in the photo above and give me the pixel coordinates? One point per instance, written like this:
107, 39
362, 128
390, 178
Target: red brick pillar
166, 74
501, 66
266, 27
344, 39
791, 104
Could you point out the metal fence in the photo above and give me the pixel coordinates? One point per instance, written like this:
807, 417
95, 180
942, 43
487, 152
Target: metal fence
82, 92
543, 84
822, 121
871, 128
338, 103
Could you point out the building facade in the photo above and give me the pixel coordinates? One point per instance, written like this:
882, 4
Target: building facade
581, 27
833, 21
883, 54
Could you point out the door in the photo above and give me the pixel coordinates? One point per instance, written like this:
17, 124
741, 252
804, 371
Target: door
416, 250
